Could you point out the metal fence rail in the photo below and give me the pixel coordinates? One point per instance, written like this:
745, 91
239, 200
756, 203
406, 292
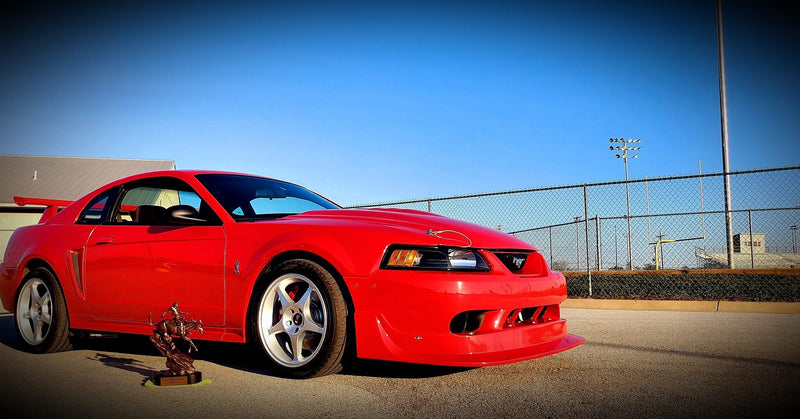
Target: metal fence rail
675, 222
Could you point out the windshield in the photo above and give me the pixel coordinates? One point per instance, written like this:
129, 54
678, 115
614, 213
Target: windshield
248, 198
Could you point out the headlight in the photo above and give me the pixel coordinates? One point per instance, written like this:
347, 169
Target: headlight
434, 258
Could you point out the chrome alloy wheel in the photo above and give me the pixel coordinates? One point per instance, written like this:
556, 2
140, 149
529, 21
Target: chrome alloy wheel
34, 311
292, 320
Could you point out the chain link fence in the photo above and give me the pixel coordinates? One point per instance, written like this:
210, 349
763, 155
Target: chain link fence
670, 223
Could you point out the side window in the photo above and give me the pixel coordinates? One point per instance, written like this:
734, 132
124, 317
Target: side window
95, 212
189, 198
149, 202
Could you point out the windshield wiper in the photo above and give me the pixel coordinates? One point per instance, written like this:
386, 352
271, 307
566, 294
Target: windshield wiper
262, 217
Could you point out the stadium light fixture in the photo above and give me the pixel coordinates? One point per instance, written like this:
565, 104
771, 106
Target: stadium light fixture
624, 156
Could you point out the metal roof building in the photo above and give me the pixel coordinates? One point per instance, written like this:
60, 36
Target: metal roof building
67, 178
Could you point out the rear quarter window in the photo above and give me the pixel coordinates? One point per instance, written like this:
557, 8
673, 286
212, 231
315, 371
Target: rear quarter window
95, 212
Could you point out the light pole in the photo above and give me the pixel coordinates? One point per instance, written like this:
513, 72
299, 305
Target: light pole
624, 148
794, 238
723, 119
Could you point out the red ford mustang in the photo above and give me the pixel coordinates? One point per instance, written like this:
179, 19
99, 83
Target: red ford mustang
262, 260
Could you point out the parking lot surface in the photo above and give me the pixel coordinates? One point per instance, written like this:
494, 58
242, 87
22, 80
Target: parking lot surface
634, 364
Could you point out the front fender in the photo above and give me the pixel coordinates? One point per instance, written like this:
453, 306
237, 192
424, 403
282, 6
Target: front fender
323, 245
252, 258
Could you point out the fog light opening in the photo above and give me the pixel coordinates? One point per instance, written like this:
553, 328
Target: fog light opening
467, 322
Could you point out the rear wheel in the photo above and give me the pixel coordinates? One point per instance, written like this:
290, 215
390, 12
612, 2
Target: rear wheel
301, 320
41, 313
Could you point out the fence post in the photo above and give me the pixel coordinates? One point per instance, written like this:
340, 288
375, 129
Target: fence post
586, 230
599, 243
750, 222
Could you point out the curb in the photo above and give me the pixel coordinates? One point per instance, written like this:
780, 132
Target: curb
705, 306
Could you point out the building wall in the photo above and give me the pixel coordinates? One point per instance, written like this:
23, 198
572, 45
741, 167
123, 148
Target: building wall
10, 221
742, 243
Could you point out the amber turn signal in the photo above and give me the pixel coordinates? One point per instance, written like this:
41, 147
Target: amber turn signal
404, 258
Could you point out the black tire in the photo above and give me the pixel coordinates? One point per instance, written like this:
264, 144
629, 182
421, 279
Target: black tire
300, 320
40, 313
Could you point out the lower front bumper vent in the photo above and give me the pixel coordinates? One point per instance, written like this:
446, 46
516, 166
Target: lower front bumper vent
530, 315
476, 321
467, 322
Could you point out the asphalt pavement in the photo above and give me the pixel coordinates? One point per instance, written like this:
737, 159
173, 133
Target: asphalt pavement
634, 364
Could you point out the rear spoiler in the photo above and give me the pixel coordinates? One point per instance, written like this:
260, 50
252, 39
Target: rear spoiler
52, 205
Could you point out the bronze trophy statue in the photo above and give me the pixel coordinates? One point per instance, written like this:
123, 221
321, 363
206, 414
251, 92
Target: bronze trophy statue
180, 366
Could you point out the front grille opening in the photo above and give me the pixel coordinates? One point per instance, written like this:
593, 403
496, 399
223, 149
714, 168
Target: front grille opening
523, 263
467, 322
515, 262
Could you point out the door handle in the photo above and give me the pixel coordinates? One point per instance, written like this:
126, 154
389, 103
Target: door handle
105, 240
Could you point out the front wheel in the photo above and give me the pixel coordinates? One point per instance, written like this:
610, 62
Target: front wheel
41, 313
301, 320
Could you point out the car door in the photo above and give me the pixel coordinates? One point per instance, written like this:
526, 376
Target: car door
140, 261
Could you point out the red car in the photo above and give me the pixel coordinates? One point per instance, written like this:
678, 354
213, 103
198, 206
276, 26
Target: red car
257, 259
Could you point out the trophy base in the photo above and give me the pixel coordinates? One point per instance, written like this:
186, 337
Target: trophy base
165, 379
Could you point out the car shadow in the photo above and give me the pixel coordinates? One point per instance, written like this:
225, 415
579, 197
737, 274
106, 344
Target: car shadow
250, 358
112, 351
8, 335
389, 369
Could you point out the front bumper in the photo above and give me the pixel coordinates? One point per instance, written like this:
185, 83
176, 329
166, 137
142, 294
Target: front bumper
460, 319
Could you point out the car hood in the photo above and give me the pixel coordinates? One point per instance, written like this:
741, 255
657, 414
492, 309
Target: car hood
417, 227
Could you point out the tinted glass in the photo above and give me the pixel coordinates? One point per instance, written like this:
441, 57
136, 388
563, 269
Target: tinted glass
249, 197
94, 213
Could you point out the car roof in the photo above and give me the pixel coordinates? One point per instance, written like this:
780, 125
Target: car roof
71, 212
183, 173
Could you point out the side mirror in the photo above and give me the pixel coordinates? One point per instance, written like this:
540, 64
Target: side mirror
184, 215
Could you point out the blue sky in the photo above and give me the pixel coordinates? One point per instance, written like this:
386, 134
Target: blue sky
367, 102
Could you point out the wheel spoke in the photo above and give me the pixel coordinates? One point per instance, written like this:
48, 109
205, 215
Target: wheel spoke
310, 326
34, 293
37, 330
283, 297
45, 300
276, 329
25, 303
305, 301
45, 317
297, 346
